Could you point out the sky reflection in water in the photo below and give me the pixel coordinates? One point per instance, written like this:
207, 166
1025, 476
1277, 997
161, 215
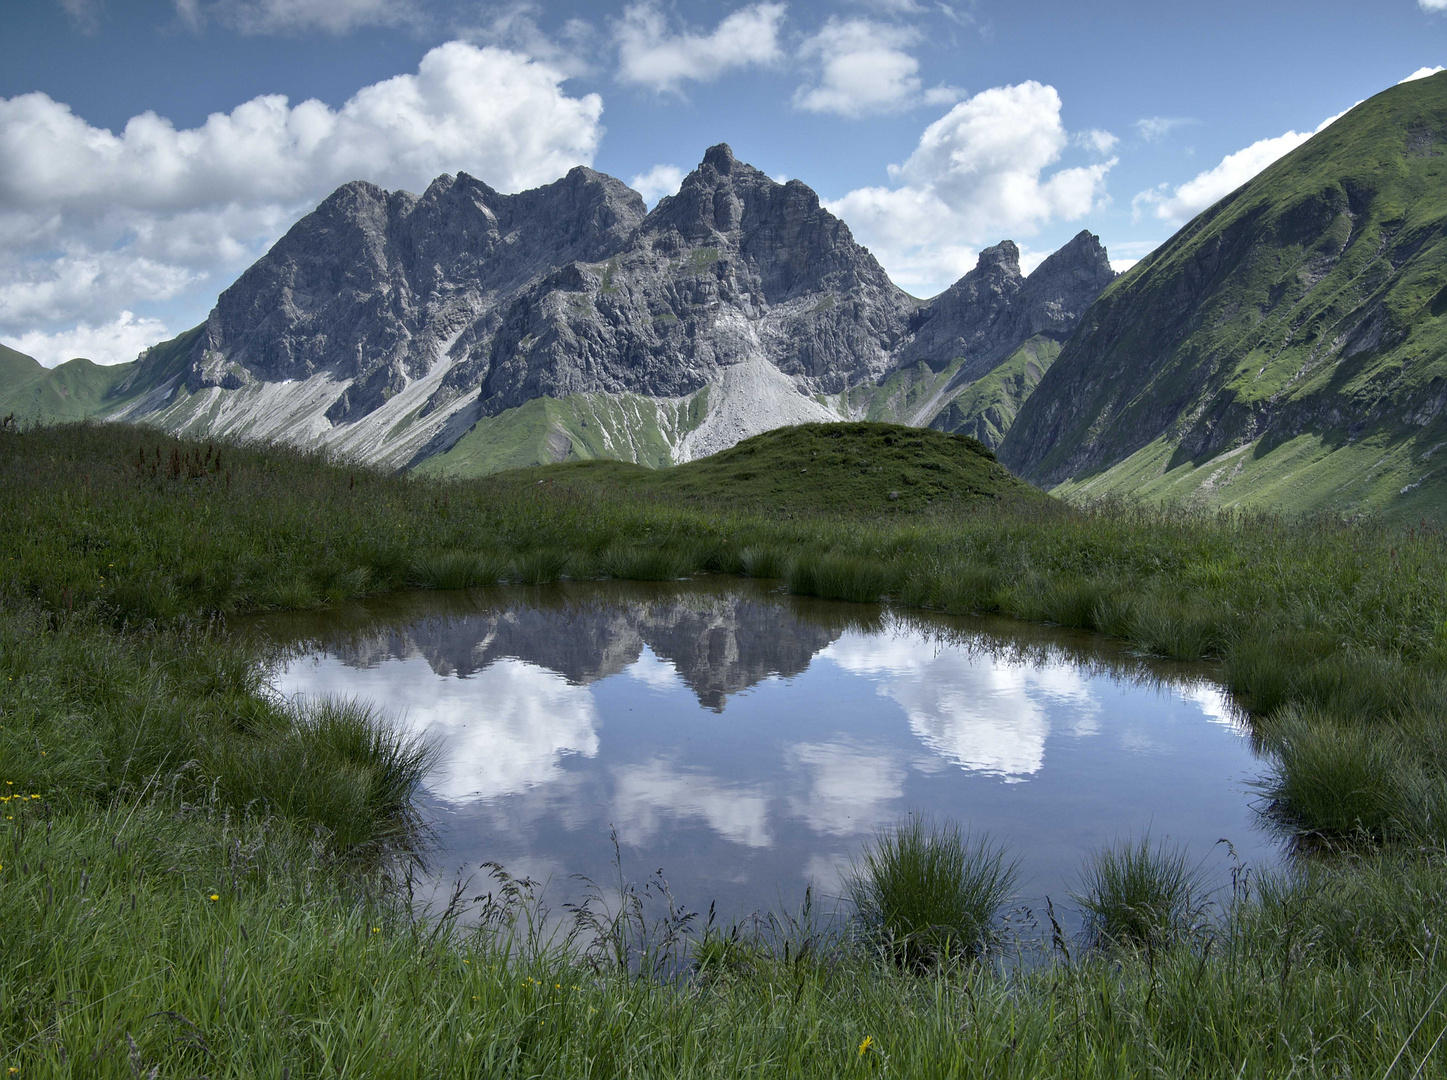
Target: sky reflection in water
746, 742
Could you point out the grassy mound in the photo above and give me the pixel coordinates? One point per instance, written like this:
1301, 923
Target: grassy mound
855, 469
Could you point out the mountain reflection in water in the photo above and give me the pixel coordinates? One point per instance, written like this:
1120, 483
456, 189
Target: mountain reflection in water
747, 741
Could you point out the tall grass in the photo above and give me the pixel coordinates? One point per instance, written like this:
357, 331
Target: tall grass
458, 569
336, 764
924, 892
1134, 894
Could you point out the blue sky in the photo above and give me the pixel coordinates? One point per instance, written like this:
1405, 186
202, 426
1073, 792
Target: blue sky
151, 149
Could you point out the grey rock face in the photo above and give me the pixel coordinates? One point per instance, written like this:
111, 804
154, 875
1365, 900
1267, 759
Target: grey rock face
374, 286
467, 302
994, 308
733, 267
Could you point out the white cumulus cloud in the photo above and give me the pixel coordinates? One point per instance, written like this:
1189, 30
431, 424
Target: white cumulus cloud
1151, 128
1190, 198
979, 173
863, 67
571, 47
1102, 142
1426, 72
84, 14
51, 291
657, 182
124, 336
94, 221
653, 54
1185, 201
1432, 5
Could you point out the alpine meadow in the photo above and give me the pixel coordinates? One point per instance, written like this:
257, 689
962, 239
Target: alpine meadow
1203, 487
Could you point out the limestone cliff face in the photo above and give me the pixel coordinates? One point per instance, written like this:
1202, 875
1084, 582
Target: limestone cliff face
379, 287
992, 310
387, 326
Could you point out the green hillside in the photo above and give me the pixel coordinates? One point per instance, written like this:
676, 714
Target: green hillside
1287, 348
34, 394
16, 368
79, 388
579, 427
986, 408
855, 468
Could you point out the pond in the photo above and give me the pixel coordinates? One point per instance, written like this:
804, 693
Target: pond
747, 743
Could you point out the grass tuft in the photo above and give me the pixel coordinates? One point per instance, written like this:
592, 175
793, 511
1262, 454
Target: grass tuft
840, 577
764, 561
925, 892
339, 765
457, 569
646, 564
1134, 895
542, 566
1348, 782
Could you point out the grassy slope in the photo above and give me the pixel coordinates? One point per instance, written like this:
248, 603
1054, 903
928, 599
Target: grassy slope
900, 395
1298, 476
986, 409
1308, 303
79, 389
71, 391
160, 363
580, 427
153, 917
16, 368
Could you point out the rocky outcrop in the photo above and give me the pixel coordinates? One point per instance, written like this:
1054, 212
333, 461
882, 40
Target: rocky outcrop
994, 309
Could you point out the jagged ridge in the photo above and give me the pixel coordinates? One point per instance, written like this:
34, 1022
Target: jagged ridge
396, 328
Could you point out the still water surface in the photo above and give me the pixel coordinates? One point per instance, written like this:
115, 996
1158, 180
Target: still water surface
747, 742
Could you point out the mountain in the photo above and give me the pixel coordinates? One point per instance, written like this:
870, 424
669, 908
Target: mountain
1287, 349
474, 330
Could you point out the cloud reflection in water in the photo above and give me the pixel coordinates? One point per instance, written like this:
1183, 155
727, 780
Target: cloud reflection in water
646, 795
502, 731
852, 789
984, 715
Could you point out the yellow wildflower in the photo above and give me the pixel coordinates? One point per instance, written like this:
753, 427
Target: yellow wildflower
865, 1045
215, 896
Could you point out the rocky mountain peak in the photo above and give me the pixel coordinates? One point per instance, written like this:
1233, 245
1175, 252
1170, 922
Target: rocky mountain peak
1084, 258
1003, 257
1058, 291
720, 159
